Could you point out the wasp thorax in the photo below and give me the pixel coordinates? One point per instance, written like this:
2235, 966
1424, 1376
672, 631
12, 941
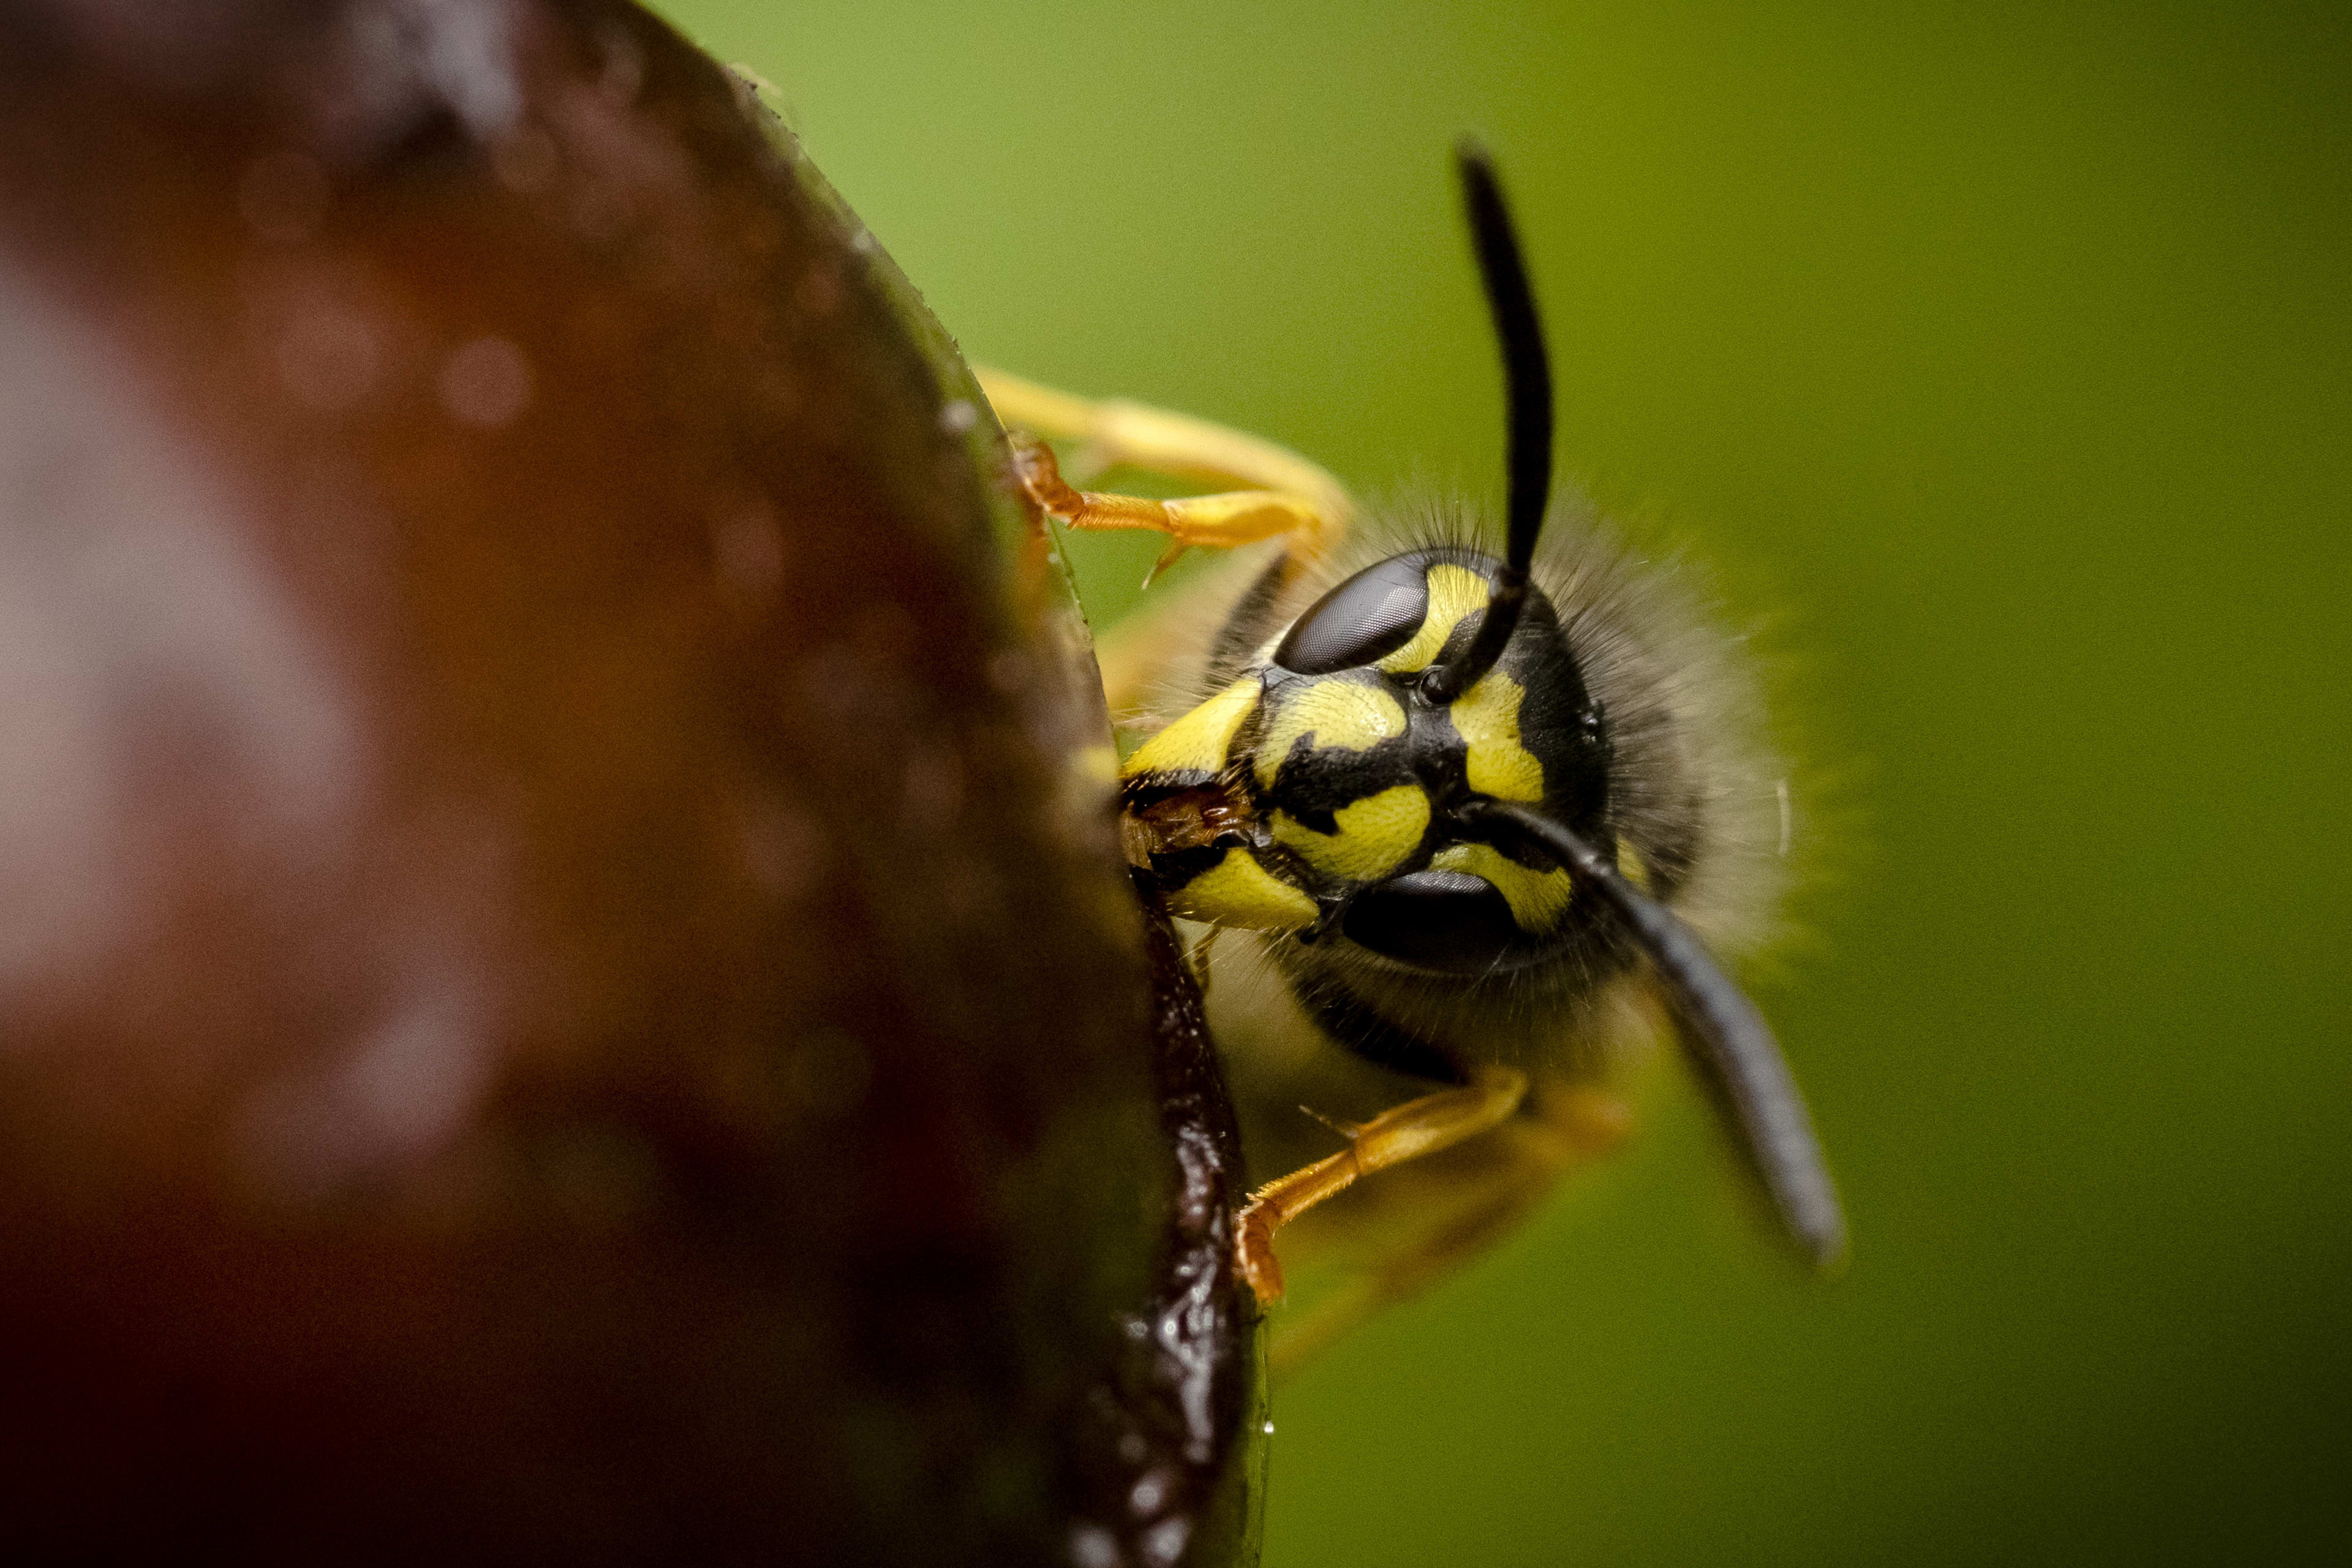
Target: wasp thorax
1322, 790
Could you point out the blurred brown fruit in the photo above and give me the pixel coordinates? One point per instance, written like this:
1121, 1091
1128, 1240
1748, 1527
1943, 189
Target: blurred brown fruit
555, 1001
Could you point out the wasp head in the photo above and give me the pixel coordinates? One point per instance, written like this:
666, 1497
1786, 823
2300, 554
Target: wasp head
1326, 788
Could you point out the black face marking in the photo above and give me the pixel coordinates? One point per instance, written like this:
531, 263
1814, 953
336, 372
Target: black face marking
1365, 618
1313, 780
1442, 921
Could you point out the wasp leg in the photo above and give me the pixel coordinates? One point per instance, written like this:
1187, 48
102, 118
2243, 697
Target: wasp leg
1288, 498
1234, 517
1115, 433
1417, 1128
1437, 1216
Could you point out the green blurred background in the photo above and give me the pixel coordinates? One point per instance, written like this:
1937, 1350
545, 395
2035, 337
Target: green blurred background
2000, 353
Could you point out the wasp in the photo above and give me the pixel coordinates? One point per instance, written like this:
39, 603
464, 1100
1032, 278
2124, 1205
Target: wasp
1469, 814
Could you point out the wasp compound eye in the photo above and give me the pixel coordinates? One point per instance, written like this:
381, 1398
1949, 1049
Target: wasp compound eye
1367, 617
1448, 921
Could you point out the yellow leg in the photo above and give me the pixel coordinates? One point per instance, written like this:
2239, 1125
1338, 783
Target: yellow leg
1114, 433
1447, 1211
1235, 517
1417, 1128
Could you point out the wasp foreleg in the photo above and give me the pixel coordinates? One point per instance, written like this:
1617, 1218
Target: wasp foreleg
1223, 521
1426, 1222
1408, 1132
1115, 433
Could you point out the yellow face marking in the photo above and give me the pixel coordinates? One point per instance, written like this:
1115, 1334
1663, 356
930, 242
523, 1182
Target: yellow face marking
1374, 834
1538, 898
1488, 716
1198, 742
1339, 714
1238, 891
1454, 592
1631, 867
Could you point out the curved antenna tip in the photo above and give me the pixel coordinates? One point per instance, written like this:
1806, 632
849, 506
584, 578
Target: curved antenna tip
1729, 1040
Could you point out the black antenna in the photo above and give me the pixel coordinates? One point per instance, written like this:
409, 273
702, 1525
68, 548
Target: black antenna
1733, 1044
1526, 372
